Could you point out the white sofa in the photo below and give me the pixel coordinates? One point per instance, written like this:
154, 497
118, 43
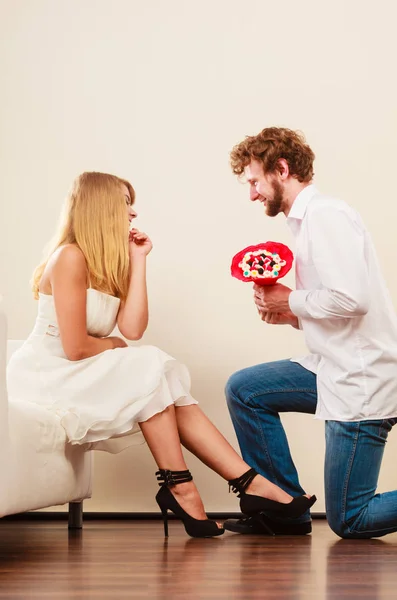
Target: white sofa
38, 469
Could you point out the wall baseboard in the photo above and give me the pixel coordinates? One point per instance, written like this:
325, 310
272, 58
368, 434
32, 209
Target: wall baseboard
118, 516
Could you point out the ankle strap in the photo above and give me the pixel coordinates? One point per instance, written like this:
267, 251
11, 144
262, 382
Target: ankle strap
241, 483
171, 478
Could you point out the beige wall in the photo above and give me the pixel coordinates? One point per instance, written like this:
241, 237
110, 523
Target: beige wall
158, 92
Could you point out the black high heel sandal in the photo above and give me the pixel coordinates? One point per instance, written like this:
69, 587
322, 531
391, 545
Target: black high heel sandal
197, 528
253, 505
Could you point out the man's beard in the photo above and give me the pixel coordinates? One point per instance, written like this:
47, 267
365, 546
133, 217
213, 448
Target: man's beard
275, 205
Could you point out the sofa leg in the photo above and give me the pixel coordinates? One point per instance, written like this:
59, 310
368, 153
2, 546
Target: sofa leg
75, 515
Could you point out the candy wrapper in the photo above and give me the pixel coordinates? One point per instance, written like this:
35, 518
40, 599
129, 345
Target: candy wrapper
262, 264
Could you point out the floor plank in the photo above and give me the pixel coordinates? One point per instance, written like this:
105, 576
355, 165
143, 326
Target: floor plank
131, 559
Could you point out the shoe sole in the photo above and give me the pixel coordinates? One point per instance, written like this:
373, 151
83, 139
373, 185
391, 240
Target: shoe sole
298, 529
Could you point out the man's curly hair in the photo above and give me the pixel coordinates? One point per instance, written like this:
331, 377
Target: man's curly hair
269, 146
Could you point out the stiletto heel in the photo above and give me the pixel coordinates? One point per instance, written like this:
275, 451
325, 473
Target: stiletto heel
253, 505
166, 500
264, 522
164, 512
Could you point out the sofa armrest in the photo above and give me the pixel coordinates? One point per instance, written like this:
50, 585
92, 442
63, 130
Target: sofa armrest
3, 384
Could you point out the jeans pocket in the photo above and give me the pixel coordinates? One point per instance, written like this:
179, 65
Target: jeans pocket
385, 427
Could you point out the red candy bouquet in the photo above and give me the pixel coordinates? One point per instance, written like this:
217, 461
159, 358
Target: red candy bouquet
262, 264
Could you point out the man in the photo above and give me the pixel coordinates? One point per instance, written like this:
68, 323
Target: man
350, 378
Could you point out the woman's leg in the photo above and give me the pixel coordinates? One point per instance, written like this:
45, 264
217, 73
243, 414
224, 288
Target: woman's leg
162, 437
200, 436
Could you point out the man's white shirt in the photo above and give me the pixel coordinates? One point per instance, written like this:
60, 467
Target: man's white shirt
344, 309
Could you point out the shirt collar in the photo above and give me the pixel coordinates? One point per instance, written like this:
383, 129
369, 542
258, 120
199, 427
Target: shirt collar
298, 209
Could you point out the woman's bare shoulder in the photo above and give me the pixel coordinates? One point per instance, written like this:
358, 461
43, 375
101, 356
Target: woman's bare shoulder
69, 256
67, 260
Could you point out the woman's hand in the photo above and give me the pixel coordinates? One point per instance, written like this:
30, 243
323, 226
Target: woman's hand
139, 243
117, 342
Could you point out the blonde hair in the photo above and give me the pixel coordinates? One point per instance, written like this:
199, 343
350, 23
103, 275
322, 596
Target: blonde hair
94, 218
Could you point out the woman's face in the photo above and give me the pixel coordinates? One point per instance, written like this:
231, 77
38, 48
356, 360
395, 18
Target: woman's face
130, 211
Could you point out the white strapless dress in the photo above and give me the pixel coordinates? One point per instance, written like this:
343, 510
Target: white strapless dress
99, 400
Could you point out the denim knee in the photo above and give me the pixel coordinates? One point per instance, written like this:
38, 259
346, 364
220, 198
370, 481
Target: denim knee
339, 526
233, 387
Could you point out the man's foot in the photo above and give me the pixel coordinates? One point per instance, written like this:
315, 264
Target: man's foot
262, 525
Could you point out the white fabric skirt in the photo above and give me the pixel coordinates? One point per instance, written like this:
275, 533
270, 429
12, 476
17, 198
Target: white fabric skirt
100, 400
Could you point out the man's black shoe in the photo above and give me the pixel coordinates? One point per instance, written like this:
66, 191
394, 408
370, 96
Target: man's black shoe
262, 525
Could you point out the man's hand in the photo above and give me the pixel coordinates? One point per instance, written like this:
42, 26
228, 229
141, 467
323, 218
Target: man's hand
287, 318
272, 304
272, 298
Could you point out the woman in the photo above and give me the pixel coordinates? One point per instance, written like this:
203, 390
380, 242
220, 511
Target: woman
103, 390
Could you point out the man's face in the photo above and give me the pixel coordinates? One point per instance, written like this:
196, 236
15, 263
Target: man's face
265, 188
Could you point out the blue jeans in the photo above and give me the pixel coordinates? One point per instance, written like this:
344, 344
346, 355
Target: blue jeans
354, 450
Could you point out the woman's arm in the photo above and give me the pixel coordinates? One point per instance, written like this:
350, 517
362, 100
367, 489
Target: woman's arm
133, 315
68, 278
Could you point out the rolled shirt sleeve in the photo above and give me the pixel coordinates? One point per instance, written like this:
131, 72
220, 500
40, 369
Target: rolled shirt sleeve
338, 254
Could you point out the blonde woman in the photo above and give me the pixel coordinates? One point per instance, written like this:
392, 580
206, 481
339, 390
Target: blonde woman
103, 390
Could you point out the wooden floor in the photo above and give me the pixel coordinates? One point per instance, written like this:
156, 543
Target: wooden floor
131, 559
